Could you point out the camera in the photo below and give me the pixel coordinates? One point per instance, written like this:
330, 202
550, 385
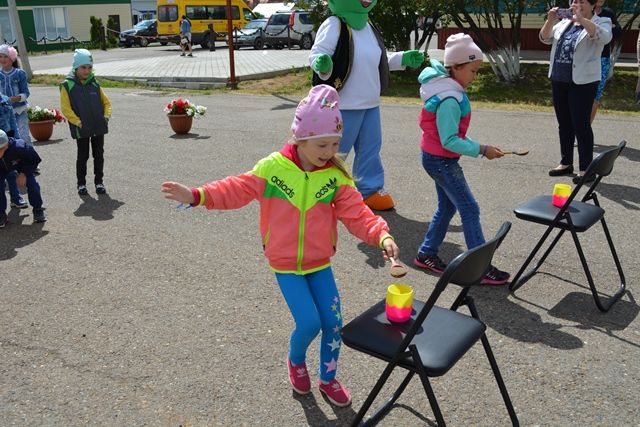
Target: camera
564, 13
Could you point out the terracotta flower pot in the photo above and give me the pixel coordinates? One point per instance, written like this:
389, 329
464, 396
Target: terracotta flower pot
41, 131
180, 123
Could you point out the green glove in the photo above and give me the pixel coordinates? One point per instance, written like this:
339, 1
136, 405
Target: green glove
412, 58
322, 64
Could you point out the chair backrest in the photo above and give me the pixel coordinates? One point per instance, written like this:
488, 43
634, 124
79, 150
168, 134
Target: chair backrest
467, 269
602, 165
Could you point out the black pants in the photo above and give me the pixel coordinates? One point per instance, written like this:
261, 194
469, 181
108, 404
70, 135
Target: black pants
572, 104
97, 148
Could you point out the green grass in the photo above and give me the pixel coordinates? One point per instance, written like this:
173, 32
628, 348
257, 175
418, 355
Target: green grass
531, 92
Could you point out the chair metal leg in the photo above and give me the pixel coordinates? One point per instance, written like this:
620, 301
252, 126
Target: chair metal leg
521, 279
374, 392
382, 410
427, 386
495, 369
605, 305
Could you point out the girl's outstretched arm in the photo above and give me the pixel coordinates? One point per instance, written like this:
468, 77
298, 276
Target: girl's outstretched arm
178, 192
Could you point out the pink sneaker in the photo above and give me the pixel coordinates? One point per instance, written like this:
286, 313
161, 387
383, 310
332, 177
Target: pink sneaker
336, 393
299, 377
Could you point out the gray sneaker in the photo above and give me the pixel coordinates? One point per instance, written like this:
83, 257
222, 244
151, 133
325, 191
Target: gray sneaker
38, 215
19, 204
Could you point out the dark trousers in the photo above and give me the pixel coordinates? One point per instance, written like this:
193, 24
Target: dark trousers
572, 104
33, 190
97, 149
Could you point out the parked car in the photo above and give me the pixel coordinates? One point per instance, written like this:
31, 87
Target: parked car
251, 34
300, 30
143, 33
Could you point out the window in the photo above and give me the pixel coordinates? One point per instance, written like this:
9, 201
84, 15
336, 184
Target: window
281, 19
248, 15
6, 32
305, 18
197, 12
211, 12
167, 13
51, 22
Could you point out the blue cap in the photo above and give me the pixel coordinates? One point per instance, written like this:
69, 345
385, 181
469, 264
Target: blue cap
81, 57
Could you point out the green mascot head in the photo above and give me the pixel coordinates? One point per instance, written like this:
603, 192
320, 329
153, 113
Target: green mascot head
354, 12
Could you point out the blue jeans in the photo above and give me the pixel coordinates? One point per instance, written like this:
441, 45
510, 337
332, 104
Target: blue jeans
13, 187
315, 305
33, 188
453, 194
363, 132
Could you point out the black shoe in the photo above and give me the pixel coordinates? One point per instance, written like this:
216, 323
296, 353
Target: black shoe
36, 172
38, 215
100, 189
577, 178
3, 219
431, 263
567, 170
82, 190
493, 276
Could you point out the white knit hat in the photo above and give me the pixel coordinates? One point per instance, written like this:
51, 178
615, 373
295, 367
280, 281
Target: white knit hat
460, 49
4, 139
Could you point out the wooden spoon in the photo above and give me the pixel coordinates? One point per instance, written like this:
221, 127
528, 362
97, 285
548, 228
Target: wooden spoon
517, 152
398, 269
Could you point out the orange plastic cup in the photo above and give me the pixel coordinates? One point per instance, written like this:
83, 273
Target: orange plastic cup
399, 303
561, 193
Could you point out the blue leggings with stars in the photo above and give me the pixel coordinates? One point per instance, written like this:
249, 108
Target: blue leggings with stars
315, 305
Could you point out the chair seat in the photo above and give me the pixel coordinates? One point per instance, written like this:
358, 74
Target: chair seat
540, 210
445, 336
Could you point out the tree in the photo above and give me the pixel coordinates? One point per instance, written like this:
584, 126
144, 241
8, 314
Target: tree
495, 26
627, 11
17, 28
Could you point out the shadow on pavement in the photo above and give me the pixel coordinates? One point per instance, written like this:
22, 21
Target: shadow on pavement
630, 153
189, 136
408, 234
315, 416
17, 234
514, 321
288, 105
100, 209
37, 144
579, 307
628, 197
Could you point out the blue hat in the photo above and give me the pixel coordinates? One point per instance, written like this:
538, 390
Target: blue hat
4, 139
81, 57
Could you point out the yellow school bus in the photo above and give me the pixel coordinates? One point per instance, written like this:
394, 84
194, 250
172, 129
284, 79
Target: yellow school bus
201, 13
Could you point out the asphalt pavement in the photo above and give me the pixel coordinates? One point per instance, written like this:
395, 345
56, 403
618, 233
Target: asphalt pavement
122, 310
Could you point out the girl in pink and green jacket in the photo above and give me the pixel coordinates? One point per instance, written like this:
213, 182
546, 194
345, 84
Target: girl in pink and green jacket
303, 190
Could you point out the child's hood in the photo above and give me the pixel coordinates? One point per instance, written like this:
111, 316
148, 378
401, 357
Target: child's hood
435, 80
72, 76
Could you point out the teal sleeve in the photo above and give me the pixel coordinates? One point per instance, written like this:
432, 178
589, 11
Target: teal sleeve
448, 122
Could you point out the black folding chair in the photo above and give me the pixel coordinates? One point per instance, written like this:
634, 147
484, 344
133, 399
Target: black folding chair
575, 217
434, 339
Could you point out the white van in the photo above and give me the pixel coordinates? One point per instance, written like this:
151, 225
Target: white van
290, 25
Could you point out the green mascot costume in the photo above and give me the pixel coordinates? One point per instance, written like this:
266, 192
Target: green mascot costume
349, 55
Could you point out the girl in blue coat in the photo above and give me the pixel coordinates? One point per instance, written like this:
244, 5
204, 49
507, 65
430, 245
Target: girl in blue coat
13, 84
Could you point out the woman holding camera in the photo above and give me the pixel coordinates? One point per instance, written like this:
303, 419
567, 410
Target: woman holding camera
574, 69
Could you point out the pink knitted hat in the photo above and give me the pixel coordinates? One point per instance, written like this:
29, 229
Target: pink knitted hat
318, 115
460, 49
9, 51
